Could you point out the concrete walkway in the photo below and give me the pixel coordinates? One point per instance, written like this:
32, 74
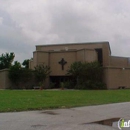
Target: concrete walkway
79, 118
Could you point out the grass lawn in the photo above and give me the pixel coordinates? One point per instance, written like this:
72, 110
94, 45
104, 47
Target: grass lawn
21, 100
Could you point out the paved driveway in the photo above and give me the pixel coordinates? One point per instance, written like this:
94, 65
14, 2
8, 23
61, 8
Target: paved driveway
79, 118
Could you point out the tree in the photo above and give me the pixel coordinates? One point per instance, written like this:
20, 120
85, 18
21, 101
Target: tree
6, 60
75, 71
15, 73
21, 77
41, 73
87, 75
92, 71
26, 63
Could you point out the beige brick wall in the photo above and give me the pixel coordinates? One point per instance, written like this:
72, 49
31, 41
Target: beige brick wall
56, 69
105, 48
69, 46
4, 80
119, 61
86, 55
115, 77
106, 54
40, 57
80, 55
90, 55
31, 65
35, 58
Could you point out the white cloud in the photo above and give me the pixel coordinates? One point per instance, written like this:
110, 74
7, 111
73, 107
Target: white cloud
30, 16
1, 20
49, 21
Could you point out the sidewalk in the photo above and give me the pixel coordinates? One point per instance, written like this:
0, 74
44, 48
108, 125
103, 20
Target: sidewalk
79, 118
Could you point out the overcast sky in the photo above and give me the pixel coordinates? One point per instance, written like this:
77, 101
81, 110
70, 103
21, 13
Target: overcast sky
26, 23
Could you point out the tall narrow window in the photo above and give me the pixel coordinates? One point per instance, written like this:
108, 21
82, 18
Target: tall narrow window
99, 55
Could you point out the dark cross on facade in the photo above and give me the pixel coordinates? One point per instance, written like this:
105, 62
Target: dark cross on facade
62, 62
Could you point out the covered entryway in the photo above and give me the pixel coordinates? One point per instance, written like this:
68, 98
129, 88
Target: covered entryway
56, 80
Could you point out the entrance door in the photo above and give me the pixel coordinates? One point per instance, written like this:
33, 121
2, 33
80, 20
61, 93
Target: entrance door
56, 80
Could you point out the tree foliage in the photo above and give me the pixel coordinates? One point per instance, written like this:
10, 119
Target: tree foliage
26, 63
75, 69
87, 75
41, 72
20, 76
6, 60
15, 72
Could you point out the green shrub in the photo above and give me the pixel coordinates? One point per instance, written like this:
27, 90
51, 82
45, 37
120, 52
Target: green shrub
91, 85
68, 84
52, 85
20, 77
41, 72
87, 75
6, 60
15, 73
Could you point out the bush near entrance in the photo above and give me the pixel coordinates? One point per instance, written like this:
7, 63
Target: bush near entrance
41, 73
87, 75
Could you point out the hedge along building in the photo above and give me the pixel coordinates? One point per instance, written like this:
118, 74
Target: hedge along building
60, 56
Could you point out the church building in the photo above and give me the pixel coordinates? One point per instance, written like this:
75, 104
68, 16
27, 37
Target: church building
60, 56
